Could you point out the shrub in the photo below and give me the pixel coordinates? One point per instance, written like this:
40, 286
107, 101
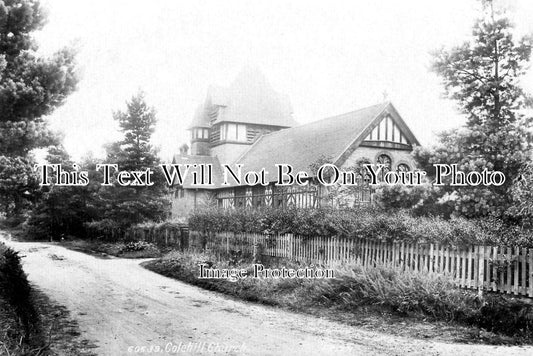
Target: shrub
15, 289
404, 292
136, 246
422, 200
386, 288
397, 225
105, 229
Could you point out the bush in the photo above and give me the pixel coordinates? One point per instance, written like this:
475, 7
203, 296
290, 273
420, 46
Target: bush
422, 200
392, 225
404, 292
353, 288
136, 246
102, 228
15, 290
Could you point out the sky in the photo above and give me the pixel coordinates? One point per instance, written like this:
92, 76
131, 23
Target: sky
329, 57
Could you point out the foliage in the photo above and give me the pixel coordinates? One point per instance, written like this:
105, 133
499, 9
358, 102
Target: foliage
482, 76
138, 124
63, 210
139, 249
522, 196
15, 289
405, 292
31, 87
106, 210
134, 246
130, 205
420, 293
18, 183
168, 224
356, 288
337, 195
423, 200
398, 225
102, 225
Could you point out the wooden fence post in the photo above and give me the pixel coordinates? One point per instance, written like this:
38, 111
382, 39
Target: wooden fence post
516, 269
429, 257
291, 246
499, 269
523, 263
257, 252
530, 273
481, 269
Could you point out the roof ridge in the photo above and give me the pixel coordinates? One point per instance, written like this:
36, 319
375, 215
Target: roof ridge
383, 104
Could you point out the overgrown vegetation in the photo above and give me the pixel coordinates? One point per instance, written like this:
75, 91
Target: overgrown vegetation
19, 321
356, 288
388, 225
482, 75
137, 249
31, 88
65, 210
110, 230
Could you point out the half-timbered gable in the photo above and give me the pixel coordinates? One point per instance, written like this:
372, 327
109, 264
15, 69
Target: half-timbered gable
252, 125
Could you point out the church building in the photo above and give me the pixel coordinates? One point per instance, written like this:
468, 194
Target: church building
251, 124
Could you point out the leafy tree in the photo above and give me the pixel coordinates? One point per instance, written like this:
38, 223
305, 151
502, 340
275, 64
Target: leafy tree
31, 87
63, 210
135, 204
482, 75
522, 194
18, 184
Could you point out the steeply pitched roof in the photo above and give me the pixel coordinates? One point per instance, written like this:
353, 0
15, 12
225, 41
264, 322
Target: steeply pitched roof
249, 99
334, 138
200, 117
199, 161
302, 145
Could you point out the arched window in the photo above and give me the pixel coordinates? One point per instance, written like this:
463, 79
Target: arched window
386, 161
402, 167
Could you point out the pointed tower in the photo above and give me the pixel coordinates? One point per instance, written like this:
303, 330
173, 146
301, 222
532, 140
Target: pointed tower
200, 133
233, 118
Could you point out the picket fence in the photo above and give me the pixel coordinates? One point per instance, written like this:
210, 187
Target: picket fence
490, 268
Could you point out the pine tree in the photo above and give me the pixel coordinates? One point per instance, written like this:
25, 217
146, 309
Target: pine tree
136, 204
31, 87
62, 210
482, 76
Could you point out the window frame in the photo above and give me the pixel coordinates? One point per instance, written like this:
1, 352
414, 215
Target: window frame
234, 132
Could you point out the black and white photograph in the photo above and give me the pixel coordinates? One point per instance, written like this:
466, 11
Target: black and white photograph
282, 177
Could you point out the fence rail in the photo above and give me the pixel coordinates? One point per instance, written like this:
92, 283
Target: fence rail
499, 269
492, 268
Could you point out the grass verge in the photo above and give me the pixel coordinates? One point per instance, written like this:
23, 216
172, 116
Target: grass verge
373, 296
19, 321
30, 323
139, 249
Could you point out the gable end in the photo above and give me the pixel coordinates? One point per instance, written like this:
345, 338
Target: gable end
388, 119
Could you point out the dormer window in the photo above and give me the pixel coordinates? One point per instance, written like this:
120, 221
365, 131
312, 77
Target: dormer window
233, 132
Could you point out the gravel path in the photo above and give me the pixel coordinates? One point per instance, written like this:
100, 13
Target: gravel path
122, 307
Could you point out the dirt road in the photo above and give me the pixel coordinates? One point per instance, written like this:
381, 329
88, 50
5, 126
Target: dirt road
122, 307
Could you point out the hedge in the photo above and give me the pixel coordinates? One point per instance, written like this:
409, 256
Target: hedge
387, 225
